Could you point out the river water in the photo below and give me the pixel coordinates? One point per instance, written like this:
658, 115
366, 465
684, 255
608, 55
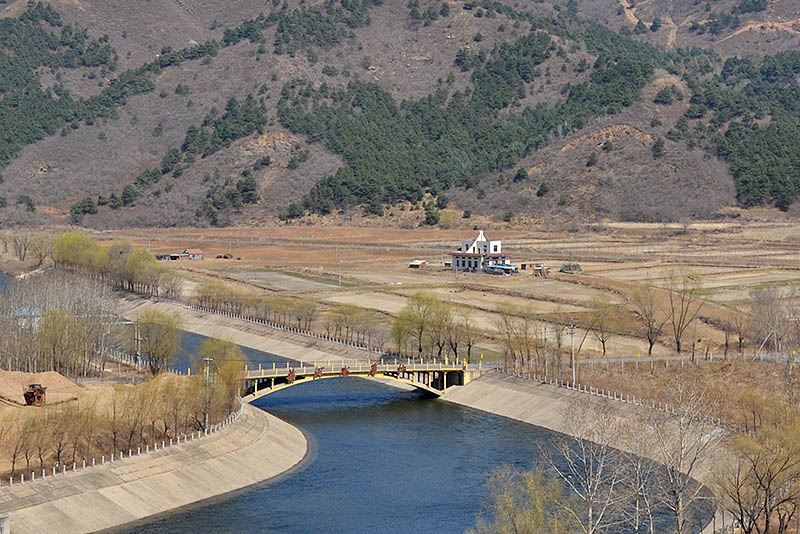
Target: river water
381, 461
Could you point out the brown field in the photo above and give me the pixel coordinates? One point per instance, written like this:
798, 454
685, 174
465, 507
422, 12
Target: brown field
733, 258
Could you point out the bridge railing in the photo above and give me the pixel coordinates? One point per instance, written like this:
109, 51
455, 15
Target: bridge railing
360, 366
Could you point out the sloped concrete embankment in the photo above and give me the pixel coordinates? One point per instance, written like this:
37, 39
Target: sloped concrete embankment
541, 405
256, 448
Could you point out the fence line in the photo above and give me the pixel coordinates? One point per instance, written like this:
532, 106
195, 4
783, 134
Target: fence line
627, 399
65, 470
287, 328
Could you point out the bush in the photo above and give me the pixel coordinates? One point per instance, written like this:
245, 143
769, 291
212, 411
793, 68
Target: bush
431, 216
658, 149
293, 211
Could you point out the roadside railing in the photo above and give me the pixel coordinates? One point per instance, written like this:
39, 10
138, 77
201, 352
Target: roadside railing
623, 398
64, 469
133, 360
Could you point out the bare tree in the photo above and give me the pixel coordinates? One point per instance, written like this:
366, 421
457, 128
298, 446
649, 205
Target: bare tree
171, 285
685, 303
683, 442
21, 243
759, 479
590, 467
470, 334
769, 318
604, 320
40, 248
641, 483
441, 322
648, 314
5, 239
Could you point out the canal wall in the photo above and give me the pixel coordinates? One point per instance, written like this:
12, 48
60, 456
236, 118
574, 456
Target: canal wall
543, 405
256, 448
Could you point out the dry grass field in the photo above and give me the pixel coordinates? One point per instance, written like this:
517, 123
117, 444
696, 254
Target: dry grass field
731, 258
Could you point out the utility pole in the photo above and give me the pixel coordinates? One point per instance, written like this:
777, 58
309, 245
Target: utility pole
208, 365
572, 351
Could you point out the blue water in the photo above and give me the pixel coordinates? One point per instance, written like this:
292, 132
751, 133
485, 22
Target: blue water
382, 461
190, 345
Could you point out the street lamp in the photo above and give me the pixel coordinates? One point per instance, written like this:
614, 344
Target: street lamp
572, 351
208, 365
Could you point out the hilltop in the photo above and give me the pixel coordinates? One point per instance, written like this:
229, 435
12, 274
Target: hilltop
208, 113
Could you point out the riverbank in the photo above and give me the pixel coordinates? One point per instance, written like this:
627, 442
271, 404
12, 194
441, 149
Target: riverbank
259, 337
255, 449
542, 405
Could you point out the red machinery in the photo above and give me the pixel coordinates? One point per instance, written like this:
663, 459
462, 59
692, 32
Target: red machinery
35, 395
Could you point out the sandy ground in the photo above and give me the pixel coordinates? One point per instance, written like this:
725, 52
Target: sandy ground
59, 388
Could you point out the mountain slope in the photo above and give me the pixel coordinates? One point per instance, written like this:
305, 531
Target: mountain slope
369, 103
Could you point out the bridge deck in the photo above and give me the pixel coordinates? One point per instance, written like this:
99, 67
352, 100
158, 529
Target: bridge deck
334, 367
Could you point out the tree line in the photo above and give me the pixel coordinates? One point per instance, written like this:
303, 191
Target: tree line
346, 322
123, 417
120, 264
58, 321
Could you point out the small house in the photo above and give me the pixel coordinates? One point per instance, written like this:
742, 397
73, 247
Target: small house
418, 264
477, 254
193, 253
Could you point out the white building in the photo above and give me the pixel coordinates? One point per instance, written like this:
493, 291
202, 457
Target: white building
479, 253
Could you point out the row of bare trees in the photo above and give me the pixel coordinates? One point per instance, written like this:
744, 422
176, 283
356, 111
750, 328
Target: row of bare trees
220, 296
426, 325
658, 312
57, 321
26, 245
343, 321
124, 417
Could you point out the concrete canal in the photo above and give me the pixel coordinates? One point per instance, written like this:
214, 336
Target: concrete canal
382, 460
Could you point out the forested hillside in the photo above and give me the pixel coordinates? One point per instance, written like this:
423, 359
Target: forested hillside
404, 112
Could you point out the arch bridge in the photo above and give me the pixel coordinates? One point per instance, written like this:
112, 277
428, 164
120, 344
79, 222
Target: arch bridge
434, 376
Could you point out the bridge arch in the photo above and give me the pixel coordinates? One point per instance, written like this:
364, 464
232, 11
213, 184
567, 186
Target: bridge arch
432, 377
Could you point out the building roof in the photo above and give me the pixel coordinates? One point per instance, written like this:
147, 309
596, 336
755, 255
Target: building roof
418, 262
476, 255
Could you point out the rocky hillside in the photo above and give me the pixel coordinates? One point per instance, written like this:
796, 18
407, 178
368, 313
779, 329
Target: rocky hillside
211, 113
